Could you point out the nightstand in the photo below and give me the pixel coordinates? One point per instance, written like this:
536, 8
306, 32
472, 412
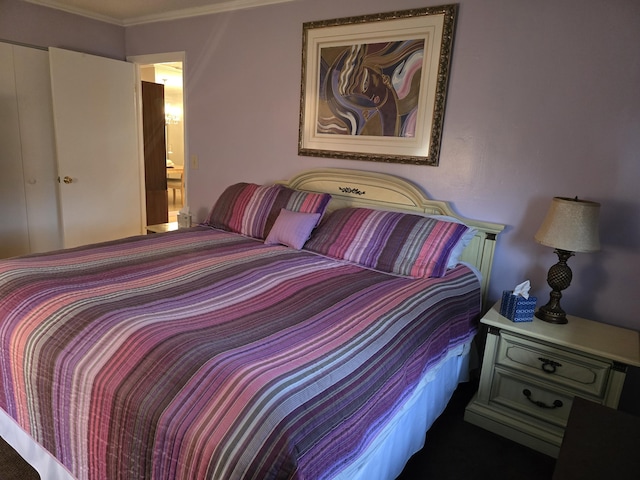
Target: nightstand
162, 227
532, 371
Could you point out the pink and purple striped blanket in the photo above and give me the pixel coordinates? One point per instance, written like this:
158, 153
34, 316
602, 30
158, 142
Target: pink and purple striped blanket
205, 354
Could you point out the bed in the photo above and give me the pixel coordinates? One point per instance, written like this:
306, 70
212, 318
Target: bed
313, 328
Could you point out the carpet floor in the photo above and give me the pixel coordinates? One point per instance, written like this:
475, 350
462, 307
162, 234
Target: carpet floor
13, 466
455, 449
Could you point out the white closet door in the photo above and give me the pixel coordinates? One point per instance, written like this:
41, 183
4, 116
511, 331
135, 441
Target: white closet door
98, 150
33, 90
14, 232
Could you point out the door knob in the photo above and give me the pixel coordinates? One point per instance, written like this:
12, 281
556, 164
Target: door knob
67, 179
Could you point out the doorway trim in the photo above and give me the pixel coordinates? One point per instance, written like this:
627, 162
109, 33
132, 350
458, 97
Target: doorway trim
150, 59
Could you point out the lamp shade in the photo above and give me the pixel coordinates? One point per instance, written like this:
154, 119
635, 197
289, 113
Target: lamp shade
571, 225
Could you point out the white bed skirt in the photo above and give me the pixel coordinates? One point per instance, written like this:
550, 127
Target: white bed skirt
405, 434
384, 459
45, 464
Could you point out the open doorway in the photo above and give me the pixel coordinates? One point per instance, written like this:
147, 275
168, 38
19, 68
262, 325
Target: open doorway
167, 70
169, 74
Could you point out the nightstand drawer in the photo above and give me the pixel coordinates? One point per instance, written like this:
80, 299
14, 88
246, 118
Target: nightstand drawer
534, 399
550, 364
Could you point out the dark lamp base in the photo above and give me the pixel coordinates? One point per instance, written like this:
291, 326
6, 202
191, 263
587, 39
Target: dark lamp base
558, 278
552, 315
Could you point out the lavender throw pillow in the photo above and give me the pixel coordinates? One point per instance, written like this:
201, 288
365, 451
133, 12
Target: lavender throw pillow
292, 228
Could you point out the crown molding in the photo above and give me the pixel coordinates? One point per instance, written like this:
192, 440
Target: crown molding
224, 6
76, 11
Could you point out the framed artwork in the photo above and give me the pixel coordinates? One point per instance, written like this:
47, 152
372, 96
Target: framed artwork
374, 87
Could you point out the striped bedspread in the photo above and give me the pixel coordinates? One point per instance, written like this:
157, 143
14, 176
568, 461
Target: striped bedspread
204, 354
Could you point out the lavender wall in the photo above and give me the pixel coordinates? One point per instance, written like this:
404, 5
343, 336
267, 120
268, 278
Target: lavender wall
37, 26
543, 101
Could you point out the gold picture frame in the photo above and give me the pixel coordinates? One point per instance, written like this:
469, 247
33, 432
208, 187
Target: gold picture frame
374, 87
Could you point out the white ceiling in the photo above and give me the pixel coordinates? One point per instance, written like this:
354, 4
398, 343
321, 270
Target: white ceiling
132, 12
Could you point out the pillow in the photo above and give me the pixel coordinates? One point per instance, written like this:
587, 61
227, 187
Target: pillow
395, 242
454, 258
292, 228
244, 208
252, 209
297, 201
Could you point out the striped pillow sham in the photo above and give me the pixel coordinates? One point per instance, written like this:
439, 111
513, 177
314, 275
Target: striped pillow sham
394, 242
244, 208
297, 201
251, 209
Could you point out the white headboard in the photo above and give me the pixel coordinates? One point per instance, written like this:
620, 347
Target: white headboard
359, 188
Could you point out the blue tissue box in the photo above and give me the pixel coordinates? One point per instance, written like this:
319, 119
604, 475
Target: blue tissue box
516, 308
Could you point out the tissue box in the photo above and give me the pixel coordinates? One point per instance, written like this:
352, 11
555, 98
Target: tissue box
184, 220
516, 308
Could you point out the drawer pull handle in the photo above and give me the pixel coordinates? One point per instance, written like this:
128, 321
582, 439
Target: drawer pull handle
556, 403
549, 366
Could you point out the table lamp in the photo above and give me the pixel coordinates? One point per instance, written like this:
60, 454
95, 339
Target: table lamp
571, 225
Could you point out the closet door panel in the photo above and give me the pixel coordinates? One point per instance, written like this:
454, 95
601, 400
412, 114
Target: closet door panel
14, 234
97, 145
33, 90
